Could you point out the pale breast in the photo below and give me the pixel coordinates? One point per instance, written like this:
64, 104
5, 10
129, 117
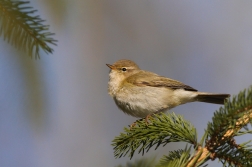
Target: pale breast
114, 83
142, 101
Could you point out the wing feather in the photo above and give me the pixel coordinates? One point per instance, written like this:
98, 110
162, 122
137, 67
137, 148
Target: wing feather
143, 78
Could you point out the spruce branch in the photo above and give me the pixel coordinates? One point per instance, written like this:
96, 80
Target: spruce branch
161, 130
219, 142
21, 28
227, 123
145, 162
175, 158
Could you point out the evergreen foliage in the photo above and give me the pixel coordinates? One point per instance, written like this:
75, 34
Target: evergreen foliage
162, 130
20, 27
218, 142
145, 162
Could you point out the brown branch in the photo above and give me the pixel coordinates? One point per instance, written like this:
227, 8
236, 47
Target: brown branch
239, 124
208, 152
204, 154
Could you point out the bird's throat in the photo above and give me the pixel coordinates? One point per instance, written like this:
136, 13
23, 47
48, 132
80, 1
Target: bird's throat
114, 83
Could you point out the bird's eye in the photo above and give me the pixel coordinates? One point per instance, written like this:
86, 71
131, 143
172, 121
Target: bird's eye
124, 69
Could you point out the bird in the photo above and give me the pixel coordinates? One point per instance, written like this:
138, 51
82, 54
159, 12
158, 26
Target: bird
141, 93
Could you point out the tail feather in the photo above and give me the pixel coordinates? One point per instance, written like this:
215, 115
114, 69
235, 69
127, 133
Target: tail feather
212, 98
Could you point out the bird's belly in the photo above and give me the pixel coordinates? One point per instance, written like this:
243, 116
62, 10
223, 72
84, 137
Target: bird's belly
145, 101
135, 108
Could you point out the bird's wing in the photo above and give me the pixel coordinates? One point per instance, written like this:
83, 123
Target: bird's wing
144, 78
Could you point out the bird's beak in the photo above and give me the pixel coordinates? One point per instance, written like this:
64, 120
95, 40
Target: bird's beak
111, 66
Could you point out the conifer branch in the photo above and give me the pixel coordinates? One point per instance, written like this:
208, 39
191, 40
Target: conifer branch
228, 122
175, 158
21, 28
144, 162
161, 130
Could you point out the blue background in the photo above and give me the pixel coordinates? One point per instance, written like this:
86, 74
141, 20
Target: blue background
56, 112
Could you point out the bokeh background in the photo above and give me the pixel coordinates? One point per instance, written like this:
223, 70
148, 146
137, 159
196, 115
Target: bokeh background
55, 112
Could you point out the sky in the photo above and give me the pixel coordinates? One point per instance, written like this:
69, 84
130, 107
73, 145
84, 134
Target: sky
56, 112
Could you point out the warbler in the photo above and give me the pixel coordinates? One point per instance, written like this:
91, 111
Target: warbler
142, 93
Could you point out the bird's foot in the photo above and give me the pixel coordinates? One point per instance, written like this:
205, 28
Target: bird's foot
147, 118
132, 125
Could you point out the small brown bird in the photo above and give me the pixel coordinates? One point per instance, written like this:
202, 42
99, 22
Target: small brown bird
141, 93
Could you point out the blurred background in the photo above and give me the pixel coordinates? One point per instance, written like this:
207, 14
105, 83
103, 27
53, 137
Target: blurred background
55, 112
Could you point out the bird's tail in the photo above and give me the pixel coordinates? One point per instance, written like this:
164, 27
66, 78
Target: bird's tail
212, 98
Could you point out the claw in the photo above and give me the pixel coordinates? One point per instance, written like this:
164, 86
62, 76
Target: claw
132, 125
147, 119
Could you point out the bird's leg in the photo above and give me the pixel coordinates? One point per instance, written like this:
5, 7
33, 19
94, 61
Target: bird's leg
146, 118
151, 115
134, 123
146, 121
